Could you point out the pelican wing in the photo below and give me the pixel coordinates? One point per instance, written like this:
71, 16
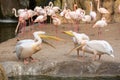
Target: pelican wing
25, 41
18, 51
100, 45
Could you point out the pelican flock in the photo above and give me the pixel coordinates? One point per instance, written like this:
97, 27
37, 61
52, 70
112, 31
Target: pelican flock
96, 47
26, 48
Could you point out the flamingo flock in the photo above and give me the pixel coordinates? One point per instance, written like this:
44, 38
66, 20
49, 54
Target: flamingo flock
81, 40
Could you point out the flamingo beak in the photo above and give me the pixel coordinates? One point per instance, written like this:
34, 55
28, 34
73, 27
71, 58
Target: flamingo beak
68, 33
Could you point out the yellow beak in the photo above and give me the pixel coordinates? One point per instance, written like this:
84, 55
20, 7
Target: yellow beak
51, 37
48, 43
75, 48
68, 33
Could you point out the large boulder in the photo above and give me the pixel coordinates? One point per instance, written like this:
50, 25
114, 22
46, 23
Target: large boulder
6, 9
116, 11
2, 73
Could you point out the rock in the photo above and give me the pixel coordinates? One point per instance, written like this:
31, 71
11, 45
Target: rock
7, 9
64, 68
2, 73
116, 17
69, 3
58, 3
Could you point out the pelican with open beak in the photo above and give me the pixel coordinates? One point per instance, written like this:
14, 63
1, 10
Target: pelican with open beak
26, 48
96, 47
77, 38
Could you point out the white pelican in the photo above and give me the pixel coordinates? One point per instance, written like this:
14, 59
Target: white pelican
26, 48
77, 38
96, 47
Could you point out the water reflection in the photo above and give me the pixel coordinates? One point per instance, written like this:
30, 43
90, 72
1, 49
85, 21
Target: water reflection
7, 31
62, 78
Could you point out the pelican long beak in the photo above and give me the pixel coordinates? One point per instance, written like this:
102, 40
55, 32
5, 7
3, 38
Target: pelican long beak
75, 48
51, 37
68, 33
48, 43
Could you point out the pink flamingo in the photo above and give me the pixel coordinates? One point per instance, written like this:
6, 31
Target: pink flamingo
64, 10
40, 10
41, 18
31, 13
119, 8
23, 16
75, 16
55, 8
100, 23
101, 9
56, 22
92, 13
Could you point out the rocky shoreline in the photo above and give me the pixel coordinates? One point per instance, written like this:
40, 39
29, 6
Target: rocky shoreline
72, 68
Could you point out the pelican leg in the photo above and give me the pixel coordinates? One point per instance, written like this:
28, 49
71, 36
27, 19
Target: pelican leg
78, 53
95, 55
99, 56
83, 54
26, 61
32, 59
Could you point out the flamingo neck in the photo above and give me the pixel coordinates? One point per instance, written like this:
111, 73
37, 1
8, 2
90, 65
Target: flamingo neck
65, 6
90, 6
51, 4
15, 12
98, 5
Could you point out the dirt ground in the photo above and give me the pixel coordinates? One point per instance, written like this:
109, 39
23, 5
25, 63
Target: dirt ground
110, 33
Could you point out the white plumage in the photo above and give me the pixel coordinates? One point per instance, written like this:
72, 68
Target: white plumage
98, 47
92, 13
26, 48
78, 37
100, 23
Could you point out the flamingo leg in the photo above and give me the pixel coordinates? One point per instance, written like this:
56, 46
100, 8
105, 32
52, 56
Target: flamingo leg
77, 26
24, 25
98, 32
56, 30
78, 53
16, 30
74, 26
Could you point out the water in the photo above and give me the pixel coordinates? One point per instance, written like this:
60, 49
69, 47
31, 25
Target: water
62, 78
7, 29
